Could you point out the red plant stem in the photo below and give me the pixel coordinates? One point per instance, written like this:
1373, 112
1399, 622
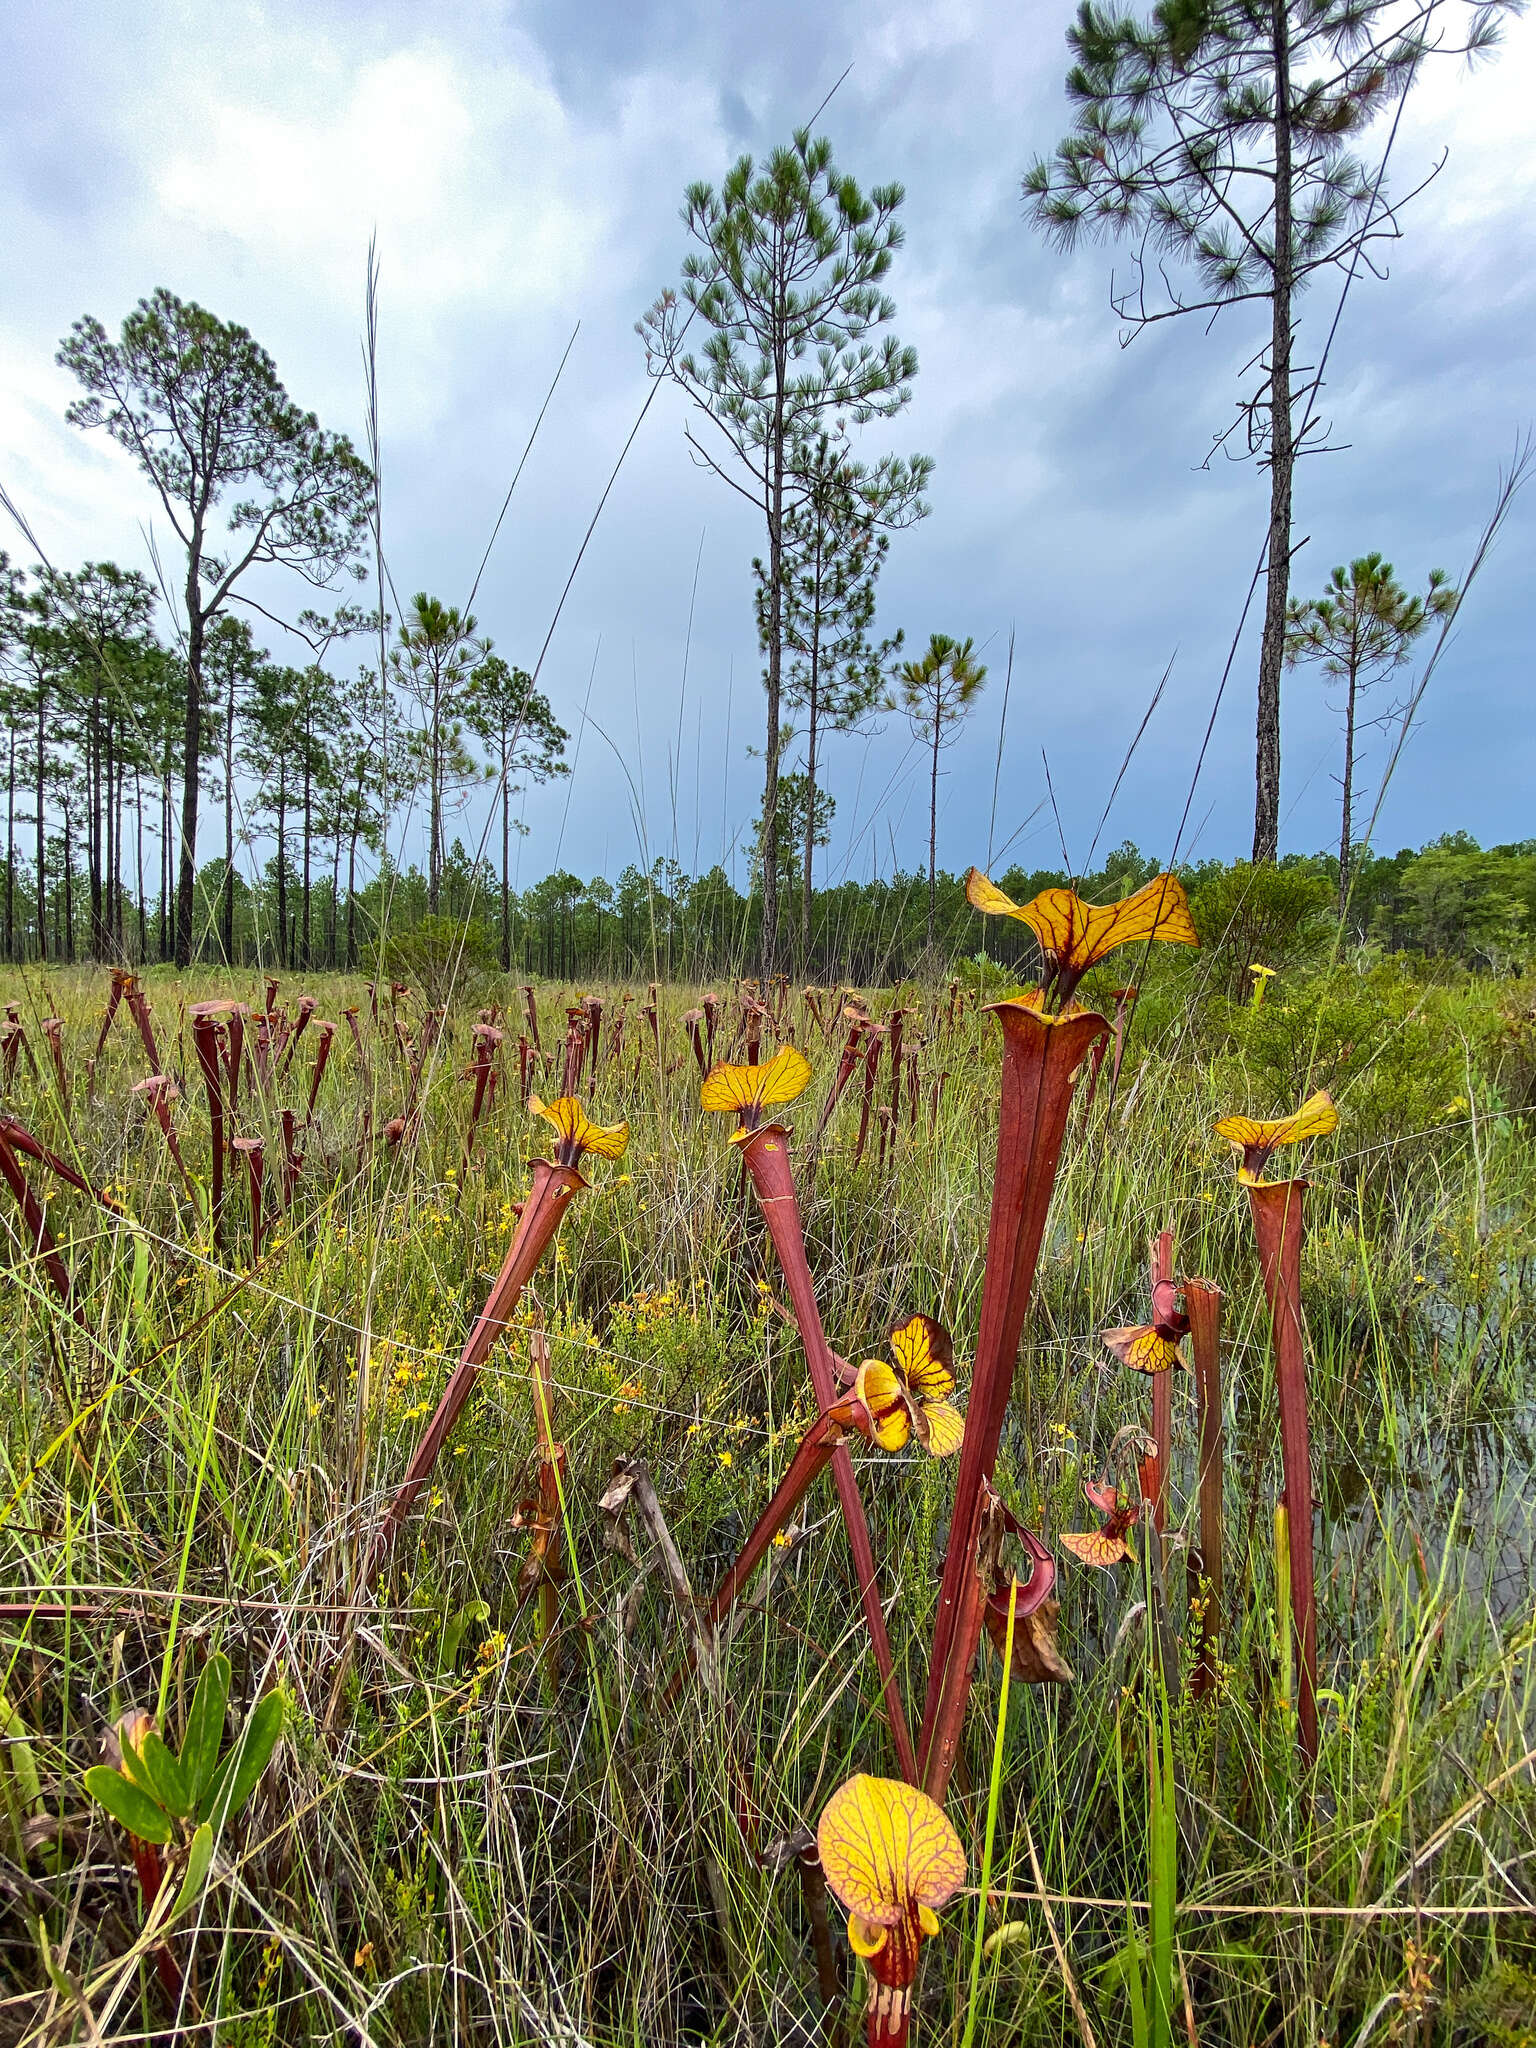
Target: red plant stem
766, 1155
235, 1051
696, 1039
595, 1013
307, 1008
261, 1052
1164, 1300
815, 1451
150, 1867
37, 1230
255, 1168
21, 1140
1279, 1227
293, 1158
322, 1054
936, 1100
1203, 1303
1041, 1055
114, 997
138, 1004
162, 1110
205, 1042
896, 1025
480, 1073
53, 1031
545, 1565
1156, 1467
845, 1066
871, 1063
543, 1211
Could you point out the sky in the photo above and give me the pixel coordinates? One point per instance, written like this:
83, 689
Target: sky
522, 168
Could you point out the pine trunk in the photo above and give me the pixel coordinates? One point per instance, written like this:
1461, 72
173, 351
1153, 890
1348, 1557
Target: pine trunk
282, 866
227, 905
42, 889
506, 889
770, 940
933, 816
1266, 804
192, 764
1346, 832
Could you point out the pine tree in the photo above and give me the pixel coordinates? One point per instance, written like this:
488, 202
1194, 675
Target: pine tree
836, 537
198, 404
936, 692
1362, 627
514, 721
1221, 139
785, 278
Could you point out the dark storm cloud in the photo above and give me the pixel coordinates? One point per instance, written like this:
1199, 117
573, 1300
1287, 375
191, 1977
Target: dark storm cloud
525, 168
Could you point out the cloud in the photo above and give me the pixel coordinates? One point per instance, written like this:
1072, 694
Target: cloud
523, 166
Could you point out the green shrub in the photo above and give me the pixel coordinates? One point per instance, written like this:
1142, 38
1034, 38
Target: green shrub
1383, 1046
1270, 916
437, 956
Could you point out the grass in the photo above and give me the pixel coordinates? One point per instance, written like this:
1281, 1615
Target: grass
463, 1838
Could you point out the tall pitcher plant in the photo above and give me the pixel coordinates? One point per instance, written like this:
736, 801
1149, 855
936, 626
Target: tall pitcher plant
889, 1853
1278, 1208
1046, 1038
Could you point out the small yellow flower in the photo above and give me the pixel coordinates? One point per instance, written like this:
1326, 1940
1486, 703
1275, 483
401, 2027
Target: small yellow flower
724, 1457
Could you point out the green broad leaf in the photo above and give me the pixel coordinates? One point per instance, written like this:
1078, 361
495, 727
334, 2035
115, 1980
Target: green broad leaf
17, 1759
199, 1856
236, 1778
474, 1611
167, 1779
205, 1726
139, 1283
129, 1804
137, 1772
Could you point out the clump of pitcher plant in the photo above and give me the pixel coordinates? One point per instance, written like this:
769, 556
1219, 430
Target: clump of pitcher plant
749, 1092
1046, 1040
1278, 1211
1152, 1348
554, 1181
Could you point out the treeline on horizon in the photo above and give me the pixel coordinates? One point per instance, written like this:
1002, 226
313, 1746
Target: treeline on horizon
129, 707
1450, 901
